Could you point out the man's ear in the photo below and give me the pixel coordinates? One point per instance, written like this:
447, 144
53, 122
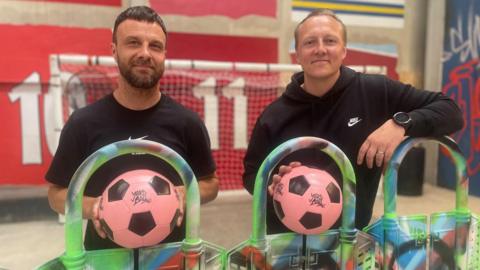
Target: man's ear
113, 47
344, 52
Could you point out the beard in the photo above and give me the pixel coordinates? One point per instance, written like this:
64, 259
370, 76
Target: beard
144, 81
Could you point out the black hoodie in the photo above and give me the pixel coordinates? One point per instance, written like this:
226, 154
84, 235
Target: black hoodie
346, 115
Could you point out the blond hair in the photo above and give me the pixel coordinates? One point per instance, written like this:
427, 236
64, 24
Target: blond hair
321, 12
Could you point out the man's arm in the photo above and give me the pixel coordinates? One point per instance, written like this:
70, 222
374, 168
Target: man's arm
208, 186
208, 189
57, 195
431, 114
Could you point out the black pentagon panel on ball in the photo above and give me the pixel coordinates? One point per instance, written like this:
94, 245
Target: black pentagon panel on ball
118, 190
141, 223
298, 185
106, 228
278, 209
173, 223
160, 185
311, 220
333, 193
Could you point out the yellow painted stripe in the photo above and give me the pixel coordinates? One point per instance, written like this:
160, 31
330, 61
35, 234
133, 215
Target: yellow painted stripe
348, 7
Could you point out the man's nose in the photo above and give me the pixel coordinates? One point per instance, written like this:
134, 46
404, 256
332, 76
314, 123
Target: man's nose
320, 48
144, 50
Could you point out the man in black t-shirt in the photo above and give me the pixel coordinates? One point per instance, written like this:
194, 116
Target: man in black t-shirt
135, 110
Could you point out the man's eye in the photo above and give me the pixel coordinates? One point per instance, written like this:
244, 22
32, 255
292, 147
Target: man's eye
157, 46
330, 41
308, 42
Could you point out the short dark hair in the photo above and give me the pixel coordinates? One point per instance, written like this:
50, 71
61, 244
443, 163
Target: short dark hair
138, 13
321, 12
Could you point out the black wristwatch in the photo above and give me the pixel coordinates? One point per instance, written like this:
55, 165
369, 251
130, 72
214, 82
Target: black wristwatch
402, 119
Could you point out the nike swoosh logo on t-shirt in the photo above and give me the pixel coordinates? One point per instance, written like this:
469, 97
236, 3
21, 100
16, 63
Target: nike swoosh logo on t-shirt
353, 121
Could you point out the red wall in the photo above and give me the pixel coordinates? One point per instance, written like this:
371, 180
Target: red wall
25, 51
229, 8
222, 48
117, 3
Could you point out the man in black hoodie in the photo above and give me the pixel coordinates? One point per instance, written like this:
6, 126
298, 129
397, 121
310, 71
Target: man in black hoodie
366, 116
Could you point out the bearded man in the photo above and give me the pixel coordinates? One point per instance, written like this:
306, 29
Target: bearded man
137, 109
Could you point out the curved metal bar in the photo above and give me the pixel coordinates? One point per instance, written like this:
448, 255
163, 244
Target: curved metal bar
73, 206
391, 174
257, 238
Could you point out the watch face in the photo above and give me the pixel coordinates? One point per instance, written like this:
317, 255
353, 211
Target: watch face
401, 118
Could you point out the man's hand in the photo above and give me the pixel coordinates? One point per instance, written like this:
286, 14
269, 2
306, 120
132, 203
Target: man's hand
284, 169
380, 144
96, 220
181, 198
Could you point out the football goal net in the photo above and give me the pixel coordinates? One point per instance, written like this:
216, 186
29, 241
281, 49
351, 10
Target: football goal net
227, 96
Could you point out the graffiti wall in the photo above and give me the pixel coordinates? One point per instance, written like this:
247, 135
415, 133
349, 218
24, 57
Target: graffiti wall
461, 81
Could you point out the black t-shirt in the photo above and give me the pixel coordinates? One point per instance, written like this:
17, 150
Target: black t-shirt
106, 121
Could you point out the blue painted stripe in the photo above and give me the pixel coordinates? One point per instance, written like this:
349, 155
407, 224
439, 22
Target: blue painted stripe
351, 8
386, 5
354, 12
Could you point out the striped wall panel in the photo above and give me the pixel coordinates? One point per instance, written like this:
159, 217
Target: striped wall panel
366, 13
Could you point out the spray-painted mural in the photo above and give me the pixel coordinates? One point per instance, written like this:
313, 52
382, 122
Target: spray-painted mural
461, 81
